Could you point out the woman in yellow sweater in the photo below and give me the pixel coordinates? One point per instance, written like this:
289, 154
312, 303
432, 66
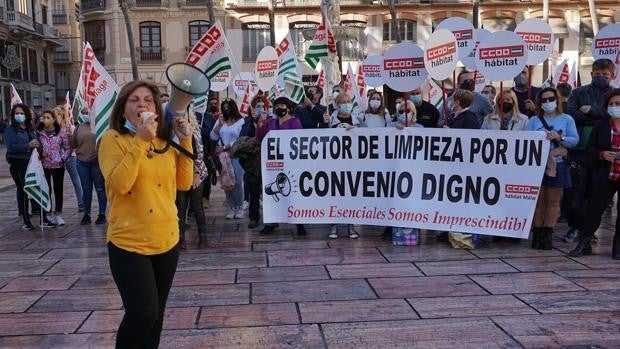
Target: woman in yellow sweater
142, 175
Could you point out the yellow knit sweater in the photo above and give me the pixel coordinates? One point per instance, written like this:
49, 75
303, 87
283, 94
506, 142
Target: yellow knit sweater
141, 191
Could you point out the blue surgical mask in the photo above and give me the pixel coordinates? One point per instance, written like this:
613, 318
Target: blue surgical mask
20, 118
259, 110
129, 126
549, 107
405, 118
345, 107
374, 104
416, 99
85, 118
614, 112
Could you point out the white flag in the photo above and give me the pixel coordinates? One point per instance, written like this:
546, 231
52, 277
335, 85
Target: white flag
435, 95
250, 92
289, 74
15, 98
101, 92
200, 104
212, 54
564, 73
35, 184
78, 99
350, 88
361, 86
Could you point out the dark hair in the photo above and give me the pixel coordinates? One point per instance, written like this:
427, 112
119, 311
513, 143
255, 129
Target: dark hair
613, 93
117, 118
493, 90
564, 89
164, 95
40, 127
27, 113
465, 97
465, 71
212, 99
319, 90
234, 110
604, 64
558, 108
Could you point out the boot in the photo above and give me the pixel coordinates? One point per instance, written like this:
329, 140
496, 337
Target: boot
615, 250
202, 238
547, 238
583, 248
182, 242
387, 233
536, 238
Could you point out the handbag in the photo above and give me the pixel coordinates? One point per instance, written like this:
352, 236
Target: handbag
227, 175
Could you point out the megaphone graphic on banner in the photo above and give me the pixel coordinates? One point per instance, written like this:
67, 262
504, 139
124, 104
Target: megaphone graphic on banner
282, 186
187, 82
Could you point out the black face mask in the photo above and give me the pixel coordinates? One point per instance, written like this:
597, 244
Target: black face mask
226, 113
281, 112
212, 108
468, 85
310, 95
507, 107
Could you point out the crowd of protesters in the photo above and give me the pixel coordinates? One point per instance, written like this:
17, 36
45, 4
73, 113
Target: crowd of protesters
581, 176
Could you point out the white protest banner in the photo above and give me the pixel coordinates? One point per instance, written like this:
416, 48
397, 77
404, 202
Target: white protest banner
440, 179
15, 98
212, 54
463, 31
470, 60
240, 82
616, 82
606, 43
371, 68
538, 37
441, 54
403, 67
266, 68
481, 81
501, 56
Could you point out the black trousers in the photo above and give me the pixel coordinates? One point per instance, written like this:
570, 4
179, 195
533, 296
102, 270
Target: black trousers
254, 189
573, 203
193, 199
55, 180
144, 283
600, 195
18, 168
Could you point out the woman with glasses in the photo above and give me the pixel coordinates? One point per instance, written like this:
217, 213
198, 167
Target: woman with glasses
562, 133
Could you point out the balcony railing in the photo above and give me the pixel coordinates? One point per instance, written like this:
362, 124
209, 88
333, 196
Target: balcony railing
19, 19
62, 57
92, 6
2, 14
59, 16
150, 55
149, 3
193, 3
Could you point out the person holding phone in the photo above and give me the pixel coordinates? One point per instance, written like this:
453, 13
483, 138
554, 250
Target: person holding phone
142, 174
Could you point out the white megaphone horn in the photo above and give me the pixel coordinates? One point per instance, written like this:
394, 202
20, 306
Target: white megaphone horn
187, 82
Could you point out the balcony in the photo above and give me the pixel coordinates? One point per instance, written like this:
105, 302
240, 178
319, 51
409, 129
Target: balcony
150, 55
91, 6
2, 18
62, 57
19, 20
149, 4
59, 17
194, 3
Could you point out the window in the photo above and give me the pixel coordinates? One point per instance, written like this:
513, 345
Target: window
62, 84
43, 14
34, 66
297, 34
196, 30
255, 37
94, 33
407, 31
354, 49
46, 72
150, 42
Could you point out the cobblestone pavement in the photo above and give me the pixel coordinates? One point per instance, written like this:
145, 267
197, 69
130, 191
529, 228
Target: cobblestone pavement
284, 291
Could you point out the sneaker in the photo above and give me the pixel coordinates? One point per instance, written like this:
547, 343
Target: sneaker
571, 235
80, 208
230, 215
47, 224
100, 219
85, 220
58, 220
252, 224
352, 233
246, 205
238, 214
334, 233
27, 226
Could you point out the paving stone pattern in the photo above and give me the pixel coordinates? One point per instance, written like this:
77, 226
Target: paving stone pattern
285, 291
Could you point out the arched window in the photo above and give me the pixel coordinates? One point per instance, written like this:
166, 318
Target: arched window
150, 42
196, 30
406, 27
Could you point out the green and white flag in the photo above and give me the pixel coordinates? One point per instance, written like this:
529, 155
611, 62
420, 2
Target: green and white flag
35, 184
212, 54
350, 88
101, 92
78, 100
323, 44
200, 104
289, 74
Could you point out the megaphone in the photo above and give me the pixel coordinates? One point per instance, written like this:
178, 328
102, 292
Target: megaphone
187, 82
282, 186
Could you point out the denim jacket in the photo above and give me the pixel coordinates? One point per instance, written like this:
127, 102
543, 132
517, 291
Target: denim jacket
17, 140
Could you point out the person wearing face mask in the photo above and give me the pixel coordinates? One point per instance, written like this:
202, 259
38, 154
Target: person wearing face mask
310, 112
21, 138
480, 105
562, 133
226, 131
67, 127
407, 116
142, 173
523, 92
427, 114
343, 115
490, 92
83, 140
207, 121
284, 120
506, 115
55, 151
604, 154
336, 90
376, 115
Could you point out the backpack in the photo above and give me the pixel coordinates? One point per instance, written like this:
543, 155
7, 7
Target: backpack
227, 174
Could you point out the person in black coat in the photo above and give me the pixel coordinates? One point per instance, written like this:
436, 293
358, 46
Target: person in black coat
604, 154
310, 111
461, 116
207, 122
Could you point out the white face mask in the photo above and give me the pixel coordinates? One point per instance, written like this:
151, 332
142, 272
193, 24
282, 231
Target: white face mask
397, 106
335, 94
345, 107
374, 104
409, 117
614, 112
549, 107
